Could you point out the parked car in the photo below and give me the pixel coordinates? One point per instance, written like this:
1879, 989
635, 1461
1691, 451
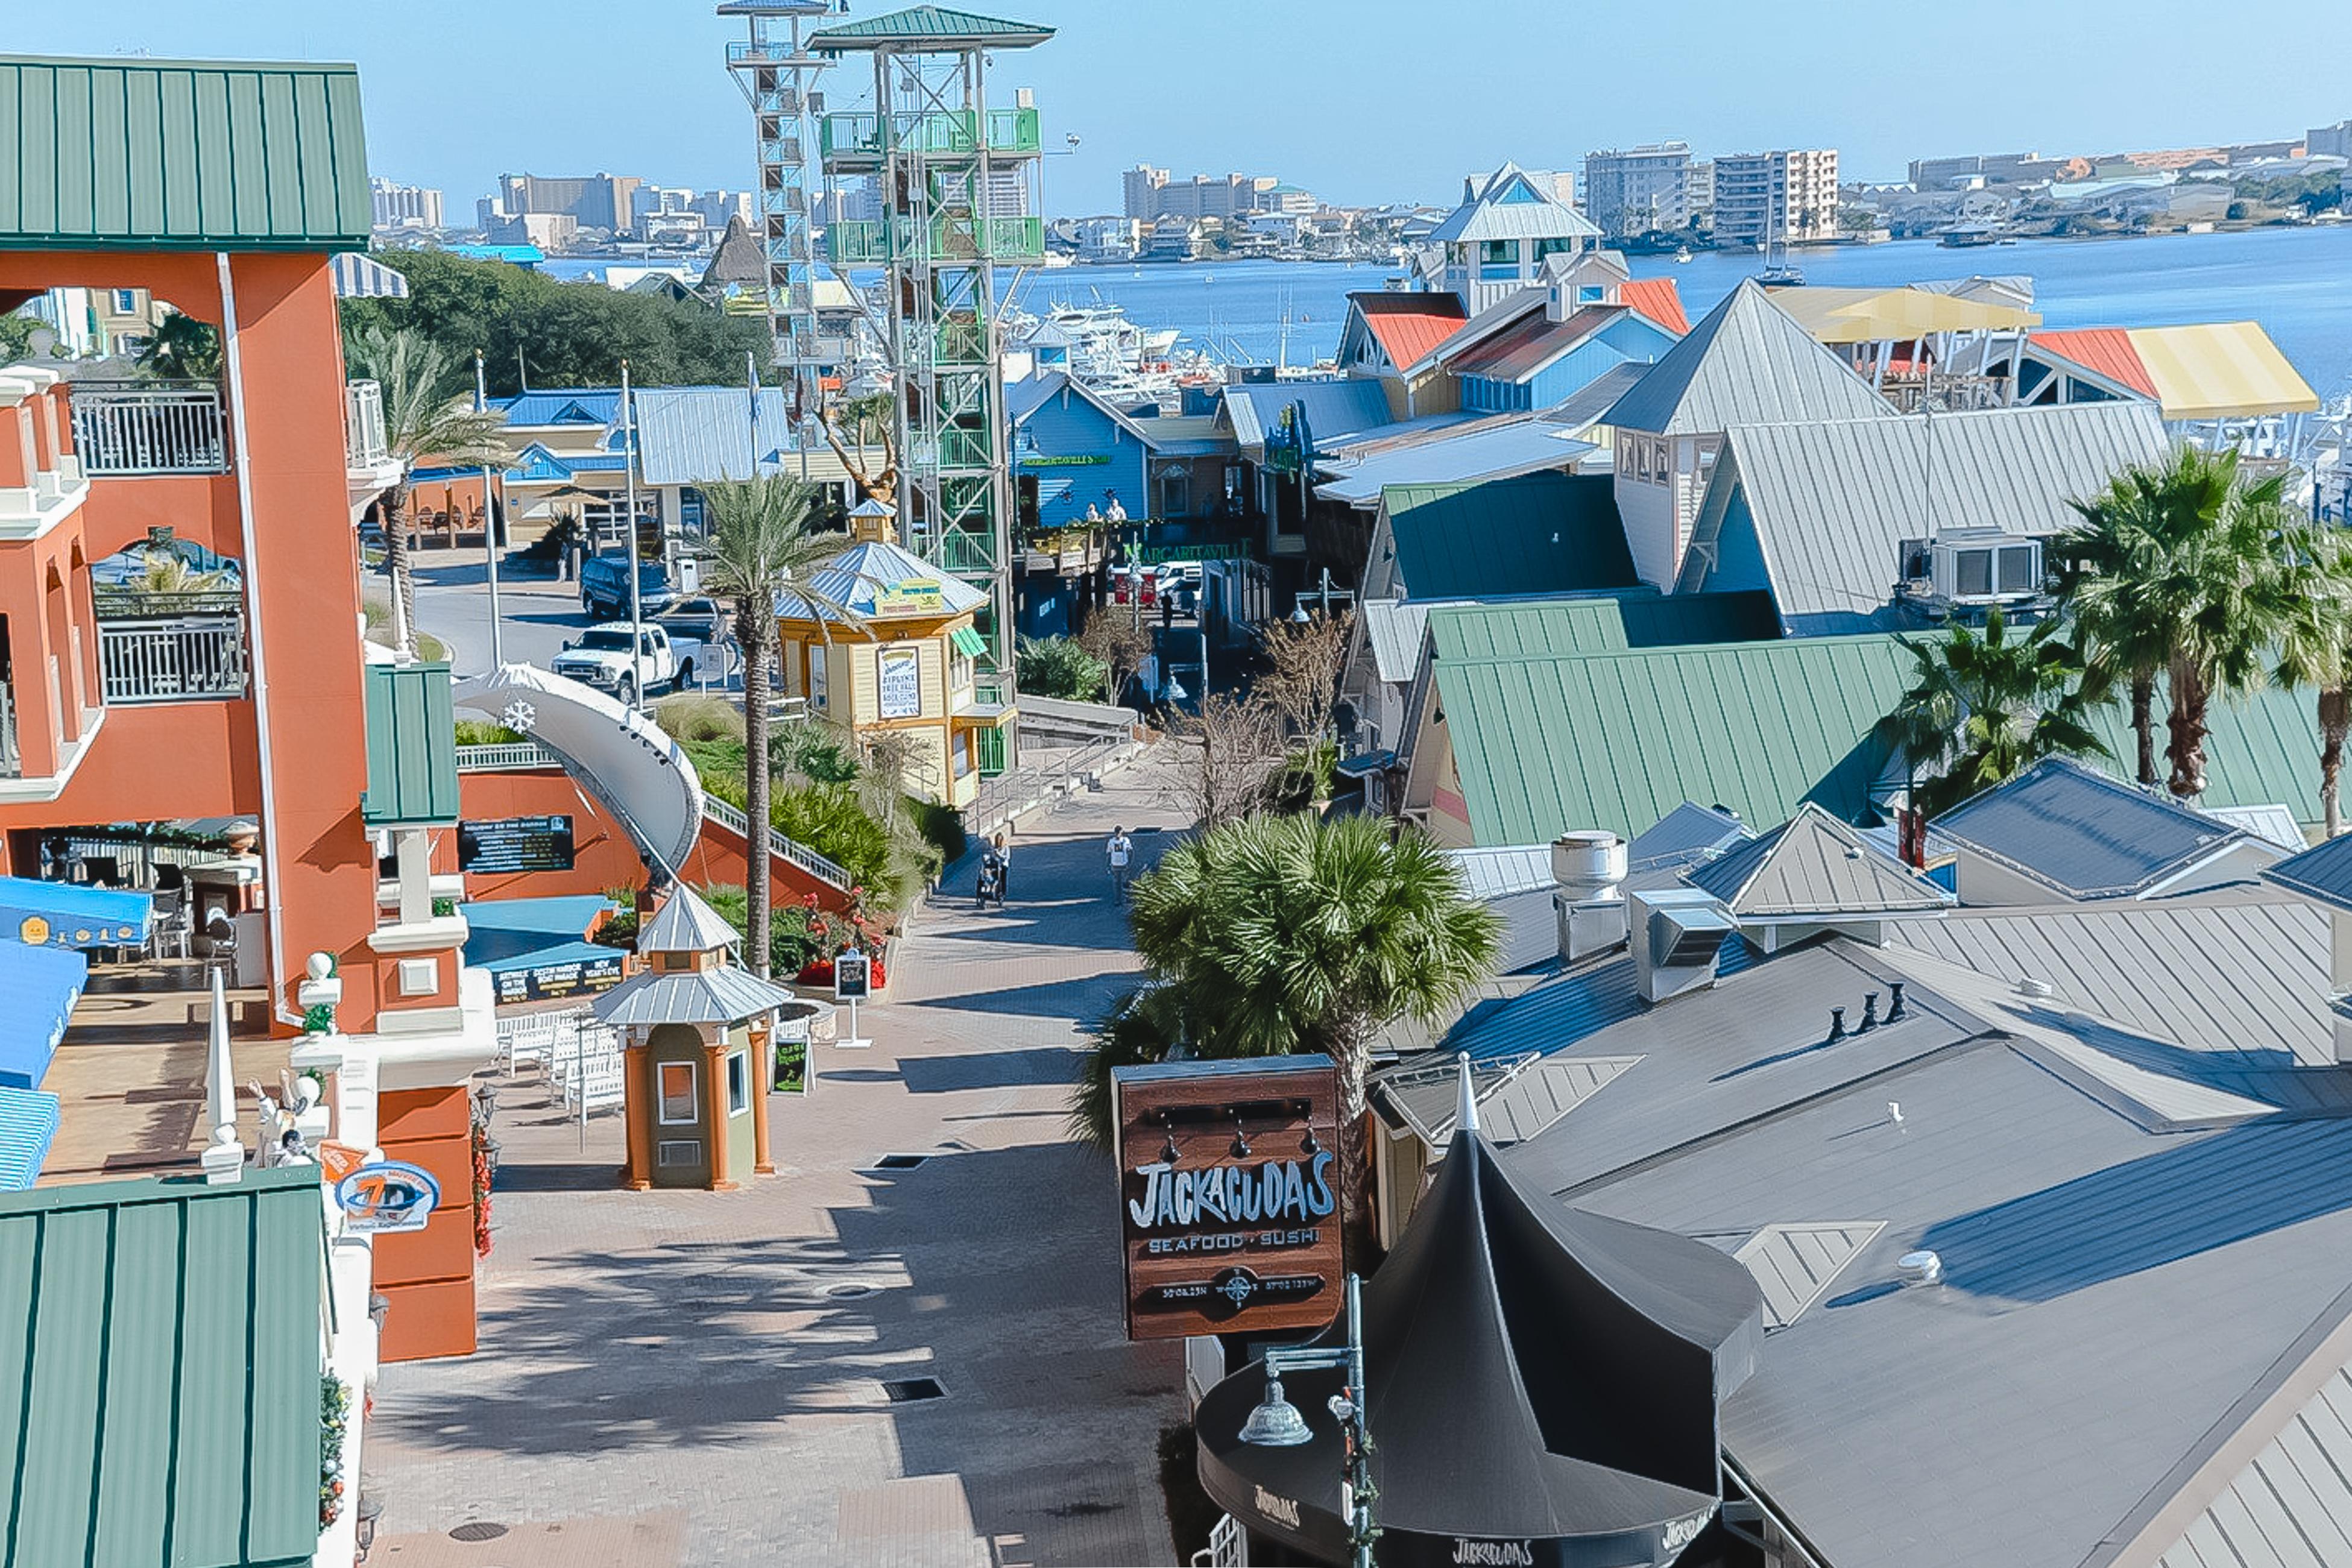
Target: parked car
605, 587
702, 638
600, 657
1180, 580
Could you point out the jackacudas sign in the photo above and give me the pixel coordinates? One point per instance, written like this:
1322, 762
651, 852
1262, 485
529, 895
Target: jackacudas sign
1229, 1194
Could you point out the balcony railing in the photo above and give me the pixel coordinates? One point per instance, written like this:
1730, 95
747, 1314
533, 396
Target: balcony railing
363, 433
506, 757
956, 446
190, 659
945, 239
149, 427
791, 850
12, 764
1011, 132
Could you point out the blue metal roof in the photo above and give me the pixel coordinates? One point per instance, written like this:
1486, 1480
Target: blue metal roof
2084, 833
507, 932
28, 1120
72, 916
1334, 408
38, 987
2323, 871
538, 409
1685, 836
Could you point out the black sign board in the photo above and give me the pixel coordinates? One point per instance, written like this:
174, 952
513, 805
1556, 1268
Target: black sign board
851, 977
576, 977
515, 843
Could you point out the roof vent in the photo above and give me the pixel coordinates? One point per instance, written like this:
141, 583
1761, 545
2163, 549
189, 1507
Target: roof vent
1588, 902
2040, 991
1676, 935
1921, 1268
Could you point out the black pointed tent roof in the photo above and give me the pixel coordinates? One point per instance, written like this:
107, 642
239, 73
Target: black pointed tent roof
737, 260
1535, 1374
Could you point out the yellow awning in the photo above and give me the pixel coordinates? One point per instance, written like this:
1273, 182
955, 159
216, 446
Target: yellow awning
2220, 370
1897, 315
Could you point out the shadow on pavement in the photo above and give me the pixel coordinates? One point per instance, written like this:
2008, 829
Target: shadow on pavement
990, 1068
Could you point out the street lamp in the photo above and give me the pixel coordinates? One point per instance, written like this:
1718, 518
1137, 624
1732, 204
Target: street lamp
1276, 1422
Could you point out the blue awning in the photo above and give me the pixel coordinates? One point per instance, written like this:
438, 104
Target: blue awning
38, 987
28, 1120
69, 915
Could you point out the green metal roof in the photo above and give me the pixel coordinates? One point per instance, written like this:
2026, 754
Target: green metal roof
1616, 740
159, 1398
2263, 749
935, 26
1603, 623
148, 154
1538, 533
412, 748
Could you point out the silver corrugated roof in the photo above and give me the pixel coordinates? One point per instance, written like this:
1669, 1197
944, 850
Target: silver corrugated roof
1831, 503
1393, 628
1489, 451
726, 995
1814, 865
1516, 1098
1793, 1264
1510, 206
2084, 833
694, 436
2244, 973
2291, 1507
685, 924
2272, 823
1502, 872
1746, 362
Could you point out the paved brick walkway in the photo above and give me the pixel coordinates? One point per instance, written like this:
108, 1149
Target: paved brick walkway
695, 1378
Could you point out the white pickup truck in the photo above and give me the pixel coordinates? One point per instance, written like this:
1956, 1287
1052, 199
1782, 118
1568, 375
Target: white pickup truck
600, 658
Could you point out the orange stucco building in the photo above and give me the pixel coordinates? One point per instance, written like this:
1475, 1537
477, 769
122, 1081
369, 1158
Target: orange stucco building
241, 687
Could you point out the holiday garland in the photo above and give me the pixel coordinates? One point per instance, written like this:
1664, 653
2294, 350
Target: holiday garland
486, 1165
335, 1419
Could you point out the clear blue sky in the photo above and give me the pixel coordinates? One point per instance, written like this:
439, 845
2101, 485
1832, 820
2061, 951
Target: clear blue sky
1360, 100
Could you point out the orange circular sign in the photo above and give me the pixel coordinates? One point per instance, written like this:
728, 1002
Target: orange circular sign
34, 932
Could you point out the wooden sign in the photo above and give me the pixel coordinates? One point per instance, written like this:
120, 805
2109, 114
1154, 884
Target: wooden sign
1229, 1194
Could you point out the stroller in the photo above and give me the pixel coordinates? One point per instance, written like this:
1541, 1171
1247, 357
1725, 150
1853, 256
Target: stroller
991, 880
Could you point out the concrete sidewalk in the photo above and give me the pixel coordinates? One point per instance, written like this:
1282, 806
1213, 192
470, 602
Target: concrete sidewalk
673, 1378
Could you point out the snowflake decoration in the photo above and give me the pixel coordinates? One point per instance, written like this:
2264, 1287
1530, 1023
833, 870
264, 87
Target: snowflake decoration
519, 716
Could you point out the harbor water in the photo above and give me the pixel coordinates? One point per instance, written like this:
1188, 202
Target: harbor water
2296, 282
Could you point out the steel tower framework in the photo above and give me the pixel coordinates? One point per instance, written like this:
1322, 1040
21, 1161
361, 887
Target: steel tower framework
778, 76
939, 151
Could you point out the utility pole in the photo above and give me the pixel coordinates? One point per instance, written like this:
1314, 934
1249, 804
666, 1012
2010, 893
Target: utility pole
636, 600
489, 518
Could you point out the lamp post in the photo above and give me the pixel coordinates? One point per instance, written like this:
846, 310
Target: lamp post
1276, 1422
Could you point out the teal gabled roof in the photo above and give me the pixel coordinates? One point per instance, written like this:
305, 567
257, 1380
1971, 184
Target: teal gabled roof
412, 748
934, 25
1538, 533
1551, 742
133, 155
160, 1372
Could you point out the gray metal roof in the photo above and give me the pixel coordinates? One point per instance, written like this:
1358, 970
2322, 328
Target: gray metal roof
2086, 835
1685, 836
1334, 408
2272, 823
1831, 503
1499, 873
2244, 973
2291, 1506
1510, 206
2323, 871
1516, 1098
1486, 451
1393, 629
694, 436
1814, 865
726, 995
1746, 362
1794, 1264
685, 924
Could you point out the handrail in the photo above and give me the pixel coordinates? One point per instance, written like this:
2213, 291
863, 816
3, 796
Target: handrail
794, 851
131, 428
506, 757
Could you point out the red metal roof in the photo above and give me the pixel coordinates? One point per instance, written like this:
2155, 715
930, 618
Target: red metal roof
1660, 300
1407, 326
2103, 351
1522, 348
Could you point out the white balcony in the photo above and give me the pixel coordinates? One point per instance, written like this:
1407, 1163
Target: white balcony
131, 429
189, 658
363, 433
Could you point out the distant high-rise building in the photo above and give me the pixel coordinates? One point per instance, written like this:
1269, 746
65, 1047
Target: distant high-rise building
592, 201
405, 207
720, 207
2329, 141
1141, 189
1636, 190
1698, 193
1784, 195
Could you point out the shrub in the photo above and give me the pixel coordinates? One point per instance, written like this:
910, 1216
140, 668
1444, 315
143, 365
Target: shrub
485, 732
719, 763
689, 719
1058, 667
942, 829
814, 751
829, 819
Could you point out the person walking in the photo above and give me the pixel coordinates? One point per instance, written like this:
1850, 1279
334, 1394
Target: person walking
1121, 851
1003, 848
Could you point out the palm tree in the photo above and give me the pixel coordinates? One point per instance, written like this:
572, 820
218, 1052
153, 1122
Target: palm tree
423, 417
2186, 566
1984, 708
1275, 935
2316, 650
183, 350
759, 543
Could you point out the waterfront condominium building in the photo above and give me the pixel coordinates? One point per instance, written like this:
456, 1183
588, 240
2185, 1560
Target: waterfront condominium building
2329, 141
1786, 195
1698, 192
1636, 190
1140, 190
401, 206
592, 201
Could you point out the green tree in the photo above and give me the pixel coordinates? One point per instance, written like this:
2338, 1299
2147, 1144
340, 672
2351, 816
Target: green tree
2316, 650
566, 334
1057, 667
1275, 935
1983, 707
760, 544
16, 328
182, 348
424, 418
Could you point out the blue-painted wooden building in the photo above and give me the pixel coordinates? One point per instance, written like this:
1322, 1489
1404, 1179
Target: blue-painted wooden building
1072, 450
1544, 359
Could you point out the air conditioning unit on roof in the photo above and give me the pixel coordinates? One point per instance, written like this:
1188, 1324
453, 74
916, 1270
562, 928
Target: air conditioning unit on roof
1985, 566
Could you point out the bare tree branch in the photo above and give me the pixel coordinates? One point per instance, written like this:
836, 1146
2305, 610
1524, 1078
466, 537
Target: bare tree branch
1230, 749
1307, 661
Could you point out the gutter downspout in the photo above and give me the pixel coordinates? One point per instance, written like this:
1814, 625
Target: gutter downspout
233, 366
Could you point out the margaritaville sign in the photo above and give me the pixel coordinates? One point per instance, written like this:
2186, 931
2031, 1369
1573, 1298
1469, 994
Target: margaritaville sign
1228, 1183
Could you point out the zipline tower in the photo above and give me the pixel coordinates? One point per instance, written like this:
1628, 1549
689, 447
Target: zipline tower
957, 183
778, 76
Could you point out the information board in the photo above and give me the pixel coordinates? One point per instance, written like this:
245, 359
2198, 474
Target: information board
572, 977
515, 843
900, 682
